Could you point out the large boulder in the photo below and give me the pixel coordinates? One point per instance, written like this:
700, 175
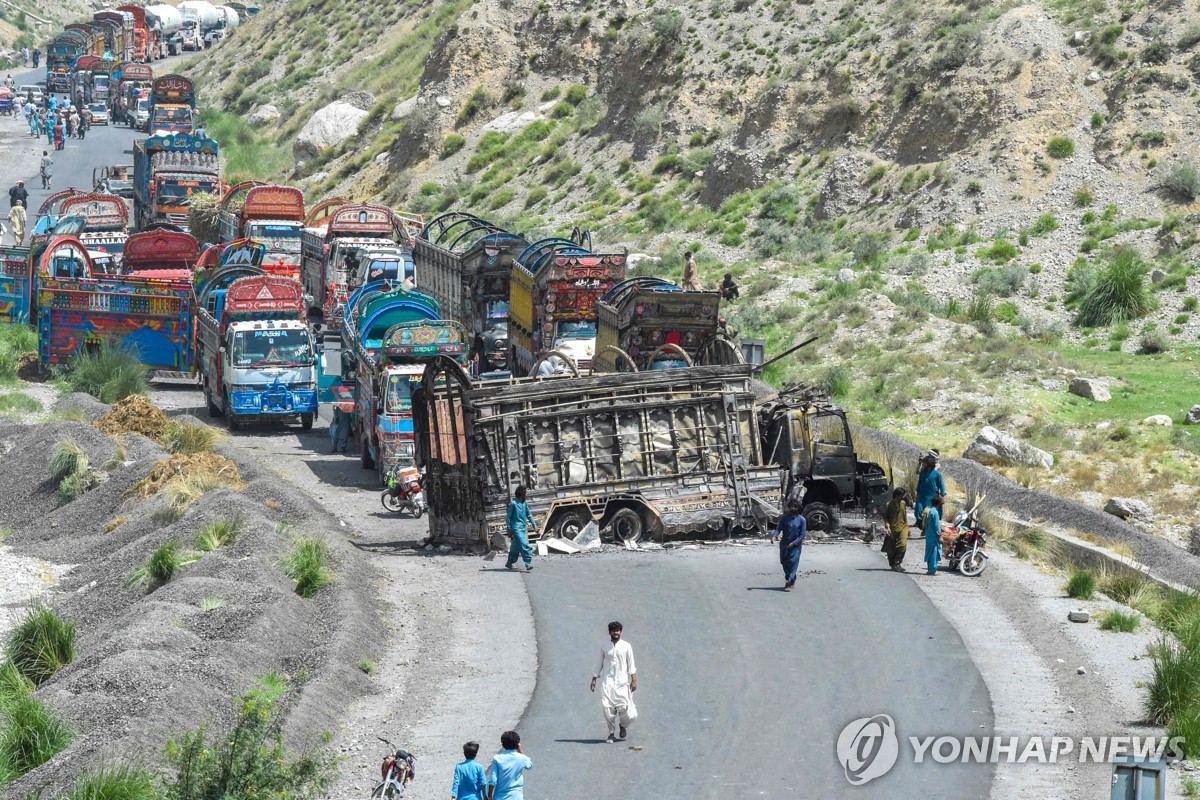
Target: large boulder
1193, 416
513, 121
328, 127
1162, 420
994, 448
263, 116
1193, 542
1091, 389
405, 108
1129, 508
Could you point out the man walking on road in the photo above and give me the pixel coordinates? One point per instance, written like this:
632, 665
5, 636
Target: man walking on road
506, 775
18, 198
47, 169
790, 531
895, 521
618, 681
519, 520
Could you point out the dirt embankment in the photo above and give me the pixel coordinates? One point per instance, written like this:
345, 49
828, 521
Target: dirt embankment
152, 663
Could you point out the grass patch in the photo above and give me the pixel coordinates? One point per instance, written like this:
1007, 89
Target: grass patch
246, 154
42, 644
307, 563
212, 603
1060, 147
218, 533
367, 666
1081, 585
160, 567
110, 375
1119, 621
15, 403
122, 782
189, 438
31, 733
1119, 292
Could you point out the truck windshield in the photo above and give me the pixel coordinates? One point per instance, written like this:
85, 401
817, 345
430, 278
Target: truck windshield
101, 82
378, 269
180, 191
172, 116
577, 330
278, 237
277, 348
399, 394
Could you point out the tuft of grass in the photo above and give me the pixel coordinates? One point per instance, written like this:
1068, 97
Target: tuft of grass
452, 144
218, 533
189, 438
109, 375
367, 666
1119, 621
122, 782
1186, 725
182, 492
307, 563
212, 603
15, 403
1175, 684
1119, 292
1081, 585
41, 645
160, 567
1181, 179
31, 733
1060, 147
13, 683
67, 458
837, 381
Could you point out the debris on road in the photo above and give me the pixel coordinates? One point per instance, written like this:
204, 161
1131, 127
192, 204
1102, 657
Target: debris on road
134, 414
1079, 615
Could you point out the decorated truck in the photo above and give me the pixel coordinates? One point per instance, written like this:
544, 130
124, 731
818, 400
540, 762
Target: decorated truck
555, 287
254, 351
466, 263
167, 171
667, 453
650, 323
14, 283
61, 55
145, 47
161, 255
120, 32
391, 335
136, 83
172, 105
273, 215
331, 254
77, 310
92, 80
106, 222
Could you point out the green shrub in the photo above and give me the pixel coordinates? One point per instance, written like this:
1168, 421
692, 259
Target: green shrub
1186, 725
67, 458
159, 568
1008, 311
536, 195
250, 756
1119, 292
667, 24
1002, 281
1153, 342
1000, 251
307, 563
1083, 198
218, 533
1081, 585
1097, 121
1190, 304
42, 644
115, 783
575, 94
836, 381
13, 683
31, 734
452, 144
1046, 223
189, 438
1175, 682
1181, 179
109, 375
981, 309
18, 338
1060, 147
1119, 621
1157, 52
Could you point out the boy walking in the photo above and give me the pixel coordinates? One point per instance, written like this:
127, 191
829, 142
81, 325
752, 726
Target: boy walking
506, 775
470, 781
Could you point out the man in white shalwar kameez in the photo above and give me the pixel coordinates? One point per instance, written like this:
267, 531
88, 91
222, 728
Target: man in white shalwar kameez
618, 681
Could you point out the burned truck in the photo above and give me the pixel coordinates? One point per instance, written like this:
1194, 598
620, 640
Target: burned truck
664, 453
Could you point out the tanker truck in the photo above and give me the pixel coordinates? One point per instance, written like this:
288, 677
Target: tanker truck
199, 18
167, 22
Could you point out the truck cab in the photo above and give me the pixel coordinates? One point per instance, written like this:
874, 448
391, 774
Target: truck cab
172, 119
577, 339
270, 369
281, 237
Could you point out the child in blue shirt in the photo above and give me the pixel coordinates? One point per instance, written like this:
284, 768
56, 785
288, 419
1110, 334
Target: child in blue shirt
470, 782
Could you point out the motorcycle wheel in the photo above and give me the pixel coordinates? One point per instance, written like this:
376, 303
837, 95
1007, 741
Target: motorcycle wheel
418, 511
972, 564
391, 502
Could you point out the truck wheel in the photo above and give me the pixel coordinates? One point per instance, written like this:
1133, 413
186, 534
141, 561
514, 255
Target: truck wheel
571, 522
367, 461
213, 411
306, 421
234, 423
821, 517
627, 525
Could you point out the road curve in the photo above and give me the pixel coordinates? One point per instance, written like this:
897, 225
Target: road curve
744, 688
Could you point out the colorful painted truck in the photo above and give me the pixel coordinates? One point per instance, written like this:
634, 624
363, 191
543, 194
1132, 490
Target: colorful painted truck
167, 171
466, 263
650, 323
273, 215
106, 221
121, 27
172, 105
392, 334
556, 285
136, 83
670, 453
61, 55
161, 255
254, 351
91, 80
77, 311
330, 254
14, 284
145, 47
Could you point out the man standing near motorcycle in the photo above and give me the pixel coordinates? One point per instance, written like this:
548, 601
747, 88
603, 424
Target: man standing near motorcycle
930, 483
931, 525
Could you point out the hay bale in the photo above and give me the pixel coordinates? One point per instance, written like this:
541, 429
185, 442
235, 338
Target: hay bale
134, 414
187, 466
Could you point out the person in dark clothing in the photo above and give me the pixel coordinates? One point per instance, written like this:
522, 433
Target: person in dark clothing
729, 288
18, 196
37, 55
790, 531
895, 521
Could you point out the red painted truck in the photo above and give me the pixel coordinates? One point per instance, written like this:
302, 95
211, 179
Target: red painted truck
161, 255
273, 215
146, 46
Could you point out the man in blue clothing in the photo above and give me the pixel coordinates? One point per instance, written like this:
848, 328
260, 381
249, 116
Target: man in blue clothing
470, 781
519, 520
790, 531
930, 483
506, 775
931, 525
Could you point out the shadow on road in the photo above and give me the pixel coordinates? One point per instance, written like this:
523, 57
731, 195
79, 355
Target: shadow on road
582, 741
764, 588
400, 547
344, 473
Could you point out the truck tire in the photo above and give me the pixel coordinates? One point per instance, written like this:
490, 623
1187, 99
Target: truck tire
213, 411
571, 522
306, 421
365, 455
235, 424
627, 526
821, 517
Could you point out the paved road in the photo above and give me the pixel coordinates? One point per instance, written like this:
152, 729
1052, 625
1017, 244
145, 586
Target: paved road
743, 688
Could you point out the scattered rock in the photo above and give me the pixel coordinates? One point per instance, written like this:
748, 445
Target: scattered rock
1157, 276
990, 447
1129, 508
89, 407
1193, 542
405, 108
1051, 385
326, 128
1091, 388
1079, 615
1080, 38
1070, 709
1081, 671
635, 259
1093, 77
263, 116
1193, 416
442, 101
512, 121
1105, 425
1158, 419
846, 275
364, 101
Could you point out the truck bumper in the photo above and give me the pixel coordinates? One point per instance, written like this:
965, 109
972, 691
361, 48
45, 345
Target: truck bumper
274, 402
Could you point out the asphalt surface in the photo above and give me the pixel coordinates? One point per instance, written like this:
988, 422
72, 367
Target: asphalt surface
743, 689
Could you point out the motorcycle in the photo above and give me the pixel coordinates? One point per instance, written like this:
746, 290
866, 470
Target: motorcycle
404, 491
397, 772
964, 544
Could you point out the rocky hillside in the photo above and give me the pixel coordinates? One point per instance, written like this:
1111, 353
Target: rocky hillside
26, 23
972, 203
